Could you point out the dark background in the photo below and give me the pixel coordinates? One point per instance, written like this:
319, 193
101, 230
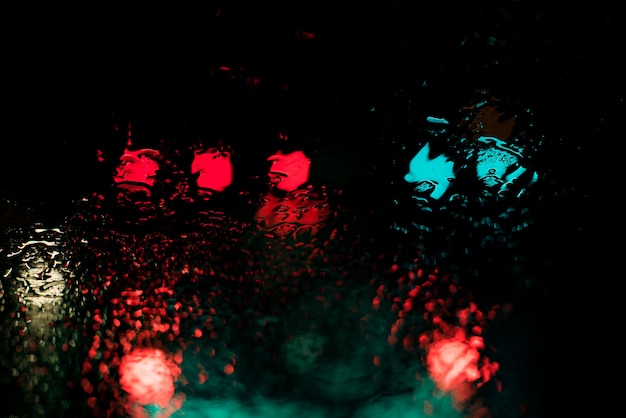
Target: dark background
158, 67
564, 63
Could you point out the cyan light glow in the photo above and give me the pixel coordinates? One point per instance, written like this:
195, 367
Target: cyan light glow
432, 176
433, 119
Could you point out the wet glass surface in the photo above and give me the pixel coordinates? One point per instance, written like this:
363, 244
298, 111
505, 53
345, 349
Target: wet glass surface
264, 239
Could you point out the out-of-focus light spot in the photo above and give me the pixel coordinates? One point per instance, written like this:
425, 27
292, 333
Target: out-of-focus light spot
229, 369
408, 343
148, 376
463, 316
408, 305
308, 35
415, 291
103, 368
86, 385
376, 361
452, 363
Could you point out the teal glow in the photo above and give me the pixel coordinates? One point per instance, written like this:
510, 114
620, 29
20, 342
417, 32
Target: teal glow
436, 120
493, 165
431, 175
503, 145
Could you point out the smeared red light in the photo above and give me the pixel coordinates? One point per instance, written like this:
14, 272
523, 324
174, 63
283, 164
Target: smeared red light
137, 167
289, 171
214, 169
148, 376
452, 362
293, 214
309, 36
408, 305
